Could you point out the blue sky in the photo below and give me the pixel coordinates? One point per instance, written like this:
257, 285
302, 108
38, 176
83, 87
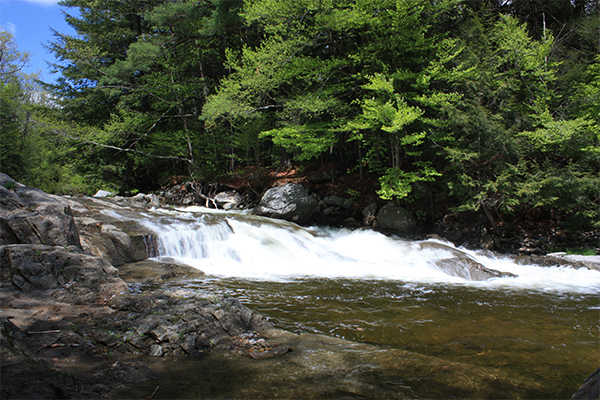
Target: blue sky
30, 23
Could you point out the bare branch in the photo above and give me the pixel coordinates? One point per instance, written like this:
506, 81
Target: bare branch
62, 133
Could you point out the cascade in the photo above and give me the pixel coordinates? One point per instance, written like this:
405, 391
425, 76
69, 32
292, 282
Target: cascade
250, 247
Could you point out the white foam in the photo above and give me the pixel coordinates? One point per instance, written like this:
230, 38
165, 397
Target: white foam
251, 247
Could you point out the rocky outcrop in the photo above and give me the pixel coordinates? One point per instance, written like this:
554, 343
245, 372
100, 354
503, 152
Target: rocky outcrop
396, 218
557, 259
290, 202
30, 216
39, 267
200, 323
101, 238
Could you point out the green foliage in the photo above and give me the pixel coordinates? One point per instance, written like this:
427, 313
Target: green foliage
397, 184
499, 107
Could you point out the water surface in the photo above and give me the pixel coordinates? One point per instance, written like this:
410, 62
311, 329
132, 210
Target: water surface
536, 333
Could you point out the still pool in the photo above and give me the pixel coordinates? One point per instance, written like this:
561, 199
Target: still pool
387, 339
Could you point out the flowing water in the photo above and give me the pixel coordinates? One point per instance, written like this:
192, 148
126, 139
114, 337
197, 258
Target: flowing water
541, 326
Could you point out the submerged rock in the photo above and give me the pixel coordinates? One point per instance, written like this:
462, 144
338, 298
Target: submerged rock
459, 264
469, 269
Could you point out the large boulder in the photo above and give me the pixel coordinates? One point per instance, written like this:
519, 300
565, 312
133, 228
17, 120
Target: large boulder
290, 202
394, 217
203, 323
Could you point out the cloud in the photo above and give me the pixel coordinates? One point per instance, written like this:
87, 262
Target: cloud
9, 27
42, 2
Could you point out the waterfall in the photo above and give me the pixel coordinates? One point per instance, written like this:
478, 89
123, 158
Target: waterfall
251, 247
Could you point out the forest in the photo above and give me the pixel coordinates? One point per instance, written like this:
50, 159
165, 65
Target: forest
495, 105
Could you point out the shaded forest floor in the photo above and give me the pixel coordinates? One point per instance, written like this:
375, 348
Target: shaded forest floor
531, 232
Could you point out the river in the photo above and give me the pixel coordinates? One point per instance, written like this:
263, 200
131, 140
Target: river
541, 326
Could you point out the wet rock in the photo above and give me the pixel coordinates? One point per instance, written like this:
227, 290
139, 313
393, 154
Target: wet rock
469, 269
590, 389
117, 246
290, 202
550, 260
394, 217
269, 352
177, 324
461, 265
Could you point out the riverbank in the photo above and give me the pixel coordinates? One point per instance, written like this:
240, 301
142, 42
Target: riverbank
528, 233
75, 326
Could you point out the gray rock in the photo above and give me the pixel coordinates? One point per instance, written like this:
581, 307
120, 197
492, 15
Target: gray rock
347, 204
290, 202
329, 210
38, 267
228, 200
469, 269
322, 205
30, 216
48, 226
109, 241
7, 181
156, 350
103, 193
139, 197
10, 333
336, 201
461, 265
370, 210
320, 177
392, 216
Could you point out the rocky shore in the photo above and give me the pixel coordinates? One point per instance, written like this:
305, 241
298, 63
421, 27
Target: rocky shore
74, 325
66, 314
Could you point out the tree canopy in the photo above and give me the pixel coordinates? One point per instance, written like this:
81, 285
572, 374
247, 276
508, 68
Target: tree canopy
495, 103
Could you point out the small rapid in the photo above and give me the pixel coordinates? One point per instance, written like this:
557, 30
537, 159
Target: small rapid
245, 246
